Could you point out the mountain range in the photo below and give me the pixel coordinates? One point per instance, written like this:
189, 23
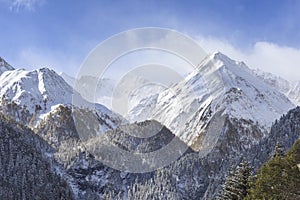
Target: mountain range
221, 112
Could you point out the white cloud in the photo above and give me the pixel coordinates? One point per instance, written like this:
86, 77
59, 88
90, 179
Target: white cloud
280, 60
30, 5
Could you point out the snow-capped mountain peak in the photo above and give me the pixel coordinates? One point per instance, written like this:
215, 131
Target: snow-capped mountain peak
218, 86
219, 60
32, 96
42, 87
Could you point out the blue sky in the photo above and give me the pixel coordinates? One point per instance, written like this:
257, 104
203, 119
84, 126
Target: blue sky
60, 34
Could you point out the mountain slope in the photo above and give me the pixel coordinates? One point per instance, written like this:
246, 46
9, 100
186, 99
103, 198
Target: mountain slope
194, 177
69, 79
26, 170
104, 88
130, 91
289, 89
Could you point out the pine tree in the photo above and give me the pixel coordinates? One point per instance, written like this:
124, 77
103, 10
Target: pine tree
236, 186
229, 187
244, 177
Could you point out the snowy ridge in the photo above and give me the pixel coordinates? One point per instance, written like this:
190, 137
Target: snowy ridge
42, 91
42, 87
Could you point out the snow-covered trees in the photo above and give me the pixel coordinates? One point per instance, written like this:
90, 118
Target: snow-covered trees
25, 171
159, 187
237, 184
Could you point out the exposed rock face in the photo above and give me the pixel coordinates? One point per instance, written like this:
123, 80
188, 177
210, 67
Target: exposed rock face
81, 159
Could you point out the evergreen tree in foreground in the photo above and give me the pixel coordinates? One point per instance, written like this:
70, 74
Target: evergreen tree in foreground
236, 186
279, 178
